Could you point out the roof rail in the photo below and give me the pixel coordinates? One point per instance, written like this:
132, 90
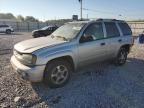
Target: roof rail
114, 20
101, 19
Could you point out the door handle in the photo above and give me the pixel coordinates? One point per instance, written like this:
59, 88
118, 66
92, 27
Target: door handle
119, 40
102, 44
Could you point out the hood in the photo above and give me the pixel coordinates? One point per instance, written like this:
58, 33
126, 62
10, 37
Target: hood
31, 45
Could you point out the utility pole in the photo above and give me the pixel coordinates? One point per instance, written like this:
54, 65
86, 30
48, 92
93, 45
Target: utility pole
81, 9
87, 17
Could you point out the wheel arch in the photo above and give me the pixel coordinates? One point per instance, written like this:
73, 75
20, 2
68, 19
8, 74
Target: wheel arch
127, 47
67, 58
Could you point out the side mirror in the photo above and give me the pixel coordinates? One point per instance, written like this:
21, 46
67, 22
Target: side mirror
86, 38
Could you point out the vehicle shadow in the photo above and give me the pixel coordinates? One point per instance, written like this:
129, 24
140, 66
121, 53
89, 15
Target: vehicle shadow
99, 85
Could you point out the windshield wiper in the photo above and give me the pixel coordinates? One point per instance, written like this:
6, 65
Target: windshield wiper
65, 39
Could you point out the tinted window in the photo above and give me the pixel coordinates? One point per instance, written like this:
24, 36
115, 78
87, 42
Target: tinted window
95, 31
111, 29
125, 29
50, 28
6, 26
3, 25
53, 28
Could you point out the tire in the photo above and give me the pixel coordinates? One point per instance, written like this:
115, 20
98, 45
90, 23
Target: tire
121, 57
8, 31
57, 73
36, 36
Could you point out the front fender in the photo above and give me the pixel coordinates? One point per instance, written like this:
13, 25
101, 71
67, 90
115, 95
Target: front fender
57, 54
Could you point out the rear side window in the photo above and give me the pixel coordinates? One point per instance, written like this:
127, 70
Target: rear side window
125, 29
111, 29
5, 26
50, 28
53, 28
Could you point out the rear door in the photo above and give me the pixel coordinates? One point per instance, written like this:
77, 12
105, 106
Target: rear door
3, 28
0, 28
113, 38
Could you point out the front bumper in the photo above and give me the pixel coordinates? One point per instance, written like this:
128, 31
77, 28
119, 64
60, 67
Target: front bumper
33, 74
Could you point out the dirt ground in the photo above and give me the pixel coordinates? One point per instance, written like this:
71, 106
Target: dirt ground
101, 85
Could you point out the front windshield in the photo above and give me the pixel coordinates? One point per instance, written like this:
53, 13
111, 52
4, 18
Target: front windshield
68, 31
44, 28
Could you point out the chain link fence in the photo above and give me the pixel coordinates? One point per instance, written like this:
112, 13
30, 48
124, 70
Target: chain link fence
7, 41
30, 26
137, 27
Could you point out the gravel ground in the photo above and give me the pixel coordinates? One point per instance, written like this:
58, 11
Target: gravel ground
97, 86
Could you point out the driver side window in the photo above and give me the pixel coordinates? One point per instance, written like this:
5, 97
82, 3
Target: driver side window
93, 32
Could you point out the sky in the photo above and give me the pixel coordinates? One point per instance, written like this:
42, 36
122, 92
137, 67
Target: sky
62, 9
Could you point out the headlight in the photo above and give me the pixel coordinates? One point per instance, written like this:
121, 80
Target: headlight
29, 58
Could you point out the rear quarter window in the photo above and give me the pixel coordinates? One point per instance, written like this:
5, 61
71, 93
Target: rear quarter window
126, 30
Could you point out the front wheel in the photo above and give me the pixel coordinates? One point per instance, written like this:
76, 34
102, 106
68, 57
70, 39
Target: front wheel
121, 57
57, 73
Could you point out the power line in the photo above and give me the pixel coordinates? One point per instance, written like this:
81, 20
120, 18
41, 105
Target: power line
106, 12
97, 11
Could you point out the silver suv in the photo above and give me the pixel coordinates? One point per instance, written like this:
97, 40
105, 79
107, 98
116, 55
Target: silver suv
52, 59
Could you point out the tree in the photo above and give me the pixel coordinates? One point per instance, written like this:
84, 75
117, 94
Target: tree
7, 16
21, 18
31, 19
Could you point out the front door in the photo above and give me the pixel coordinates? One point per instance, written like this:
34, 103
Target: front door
92, 46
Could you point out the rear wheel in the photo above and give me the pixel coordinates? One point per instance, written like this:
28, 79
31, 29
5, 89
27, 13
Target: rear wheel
121, 57
8, 31
57, 73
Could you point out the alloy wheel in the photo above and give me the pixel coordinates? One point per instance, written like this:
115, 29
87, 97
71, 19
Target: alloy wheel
59, 74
